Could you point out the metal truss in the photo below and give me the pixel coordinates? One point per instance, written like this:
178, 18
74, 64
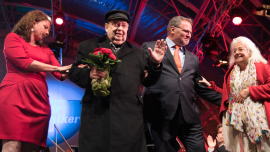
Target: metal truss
204, 20
264, 31
221, 20
72, 36
139, 8
5, 22
216, 25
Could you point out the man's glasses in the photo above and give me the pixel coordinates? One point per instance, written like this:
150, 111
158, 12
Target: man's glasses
184, 30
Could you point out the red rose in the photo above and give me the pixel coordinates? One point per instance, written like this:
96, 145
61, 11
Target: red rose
97, 49
106, 51
112, 56
102, 51
96, 52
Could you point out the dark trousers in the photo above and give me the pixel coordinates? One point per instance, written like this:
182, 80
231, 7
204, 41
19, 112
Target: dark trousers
164, 134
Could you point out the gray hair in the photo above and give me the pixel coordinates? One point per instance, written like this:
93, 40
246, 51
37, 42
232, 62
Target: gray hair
175, 21
253, 50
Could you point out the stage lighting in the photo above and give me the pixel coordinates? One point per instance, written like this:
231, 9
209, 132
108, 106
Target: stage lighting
236, 16
210, 46
59, 19
237, 20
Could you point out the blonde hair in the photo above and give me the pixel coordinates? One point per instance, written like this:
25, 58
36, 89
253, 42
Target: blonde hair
253, 50
175, 21
23, 27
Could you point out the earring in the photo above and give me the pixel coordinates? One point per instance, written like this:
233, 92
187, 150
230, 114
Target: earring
32, 29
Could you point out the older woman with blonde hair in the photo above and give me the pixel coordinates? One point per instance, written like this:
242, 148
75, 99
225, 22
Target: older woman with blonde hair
245, 107
24, 103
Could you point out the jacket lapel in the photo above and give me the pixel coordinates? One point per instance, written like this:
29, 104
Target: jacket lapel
187, 58
124, 50
104, 42
169, 56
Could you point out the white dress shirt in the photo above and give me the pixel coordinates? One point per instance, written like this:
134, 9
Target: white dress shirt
171, 46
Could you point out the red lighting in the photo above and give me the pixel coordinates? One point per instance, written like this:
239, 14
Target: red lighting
59, 21
237, 20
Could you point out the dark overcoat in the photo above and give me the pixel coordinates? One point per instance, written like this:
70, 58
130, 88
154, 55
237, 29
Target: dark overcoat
113, 123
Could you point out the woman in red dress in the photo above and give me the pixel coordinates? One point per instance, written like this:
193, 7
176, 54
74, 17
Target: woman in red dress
24, 103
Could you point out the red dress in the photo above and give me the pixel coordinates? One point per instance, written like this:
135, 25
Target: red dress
24, 102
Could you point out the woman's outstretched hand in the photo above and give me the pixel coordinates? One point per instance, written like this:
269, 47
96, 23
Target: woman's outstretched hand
64, 69
204, 81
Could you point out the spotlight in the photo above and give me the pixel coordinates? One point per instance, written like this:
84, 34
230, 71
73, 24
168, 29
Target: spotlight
59, 19
264, 9
236, 16
210, 46
237, 20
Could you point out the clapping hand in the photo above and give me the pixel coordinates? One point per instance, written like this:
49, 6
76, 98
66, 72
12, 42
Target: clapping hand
220, 139
244, 94
211, 143
159, 51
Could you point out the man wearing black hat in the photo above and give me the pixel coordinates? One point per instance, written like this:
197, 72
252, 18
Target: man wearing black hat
114, 123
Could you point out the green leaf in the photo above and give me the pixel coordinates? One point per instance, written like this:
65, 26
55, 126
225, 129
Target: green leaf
107, 61
95, 58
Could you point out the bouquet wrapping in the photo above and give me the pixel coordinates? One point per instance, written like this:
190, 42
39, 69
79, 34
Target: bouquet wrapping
104, 60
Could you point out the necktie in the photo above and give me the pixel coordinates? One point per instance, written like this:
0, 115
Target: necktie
177, 58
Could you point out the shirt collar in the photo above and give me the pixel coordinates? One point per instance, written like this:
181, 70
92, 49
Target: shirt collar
171, 44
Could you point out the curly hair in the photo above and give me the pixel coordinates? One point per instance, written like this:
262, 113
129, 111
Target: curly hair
23, 27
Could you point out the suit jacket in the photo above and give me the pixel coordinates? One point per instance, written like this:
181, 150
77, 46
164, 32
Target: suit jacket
162, 99
113, 123
257, 93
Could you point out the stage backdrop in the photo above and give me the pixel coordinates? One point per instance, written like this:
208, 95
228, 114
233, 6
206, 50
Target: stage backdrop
65, 98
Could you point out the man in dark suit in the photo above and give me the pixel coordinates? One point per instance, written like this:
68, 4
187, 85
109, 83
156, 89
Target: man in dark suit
219, 141
170, 108
115, 123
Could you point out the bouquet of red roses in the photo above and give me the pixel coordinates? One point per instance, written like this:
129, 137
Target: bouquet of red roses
104, 60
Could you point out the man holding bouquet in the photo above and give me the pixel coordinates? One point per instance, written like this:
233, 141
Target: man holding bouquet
114, 123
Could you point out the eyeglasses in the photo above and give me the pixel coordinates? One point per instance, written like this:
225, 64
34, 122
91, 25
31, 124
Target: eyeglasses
184, 30
240, 49
118, 24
